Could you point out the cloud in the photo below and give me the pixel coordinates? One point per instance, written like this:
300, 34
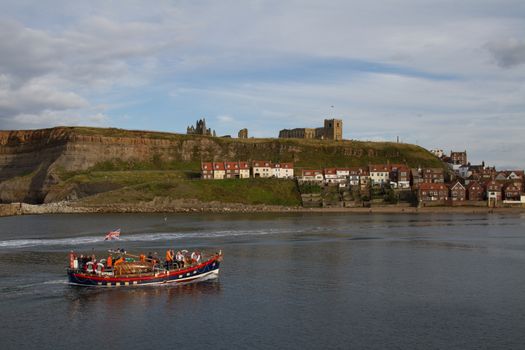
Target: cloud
225, 119
43, 71
61, 118
509, 53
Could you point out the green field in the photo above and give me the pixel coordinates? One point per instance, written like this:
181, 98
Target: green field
135, 186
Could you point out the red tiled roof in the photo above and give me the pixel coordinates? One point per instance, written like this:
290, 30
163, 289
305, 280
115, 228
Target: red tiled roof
231, 165
262, 163
283, 165
244, 165
376, 168
207, 166
218, 166
330, 171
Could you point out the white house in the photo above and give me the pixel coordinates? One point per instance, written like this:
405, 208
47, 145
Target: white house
282, 170
244, 170
330, 175
353, 176
379, 174
219, 172
262, 168
312, 176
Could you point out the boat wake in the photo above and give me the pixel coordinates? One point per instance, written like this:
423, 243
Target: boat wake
141, 237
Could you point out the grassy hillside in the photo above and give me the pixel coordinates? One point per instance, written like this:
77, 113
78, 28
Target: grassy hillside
108, 187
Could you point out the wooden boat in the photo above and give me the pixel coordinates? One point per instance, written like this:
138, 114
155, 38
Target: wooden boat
133, 272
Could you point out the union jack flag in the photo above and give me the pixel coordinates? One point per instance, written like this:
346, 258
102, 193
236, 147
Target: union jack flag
115, 234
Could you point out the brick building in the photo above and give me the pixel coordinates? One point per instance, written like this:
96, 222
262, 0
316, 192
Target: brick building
433, 175
431, 192
475, 191
458, 157
511, 192
458, 192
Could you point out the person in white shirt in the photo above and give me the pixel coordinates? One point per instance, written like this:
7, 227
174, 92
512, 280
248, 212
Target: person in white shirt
179, 257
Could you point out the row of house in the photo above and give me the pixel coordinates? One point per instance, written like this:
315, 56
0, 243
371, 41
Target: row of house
430, 184
243, 170
493, 191
397, 176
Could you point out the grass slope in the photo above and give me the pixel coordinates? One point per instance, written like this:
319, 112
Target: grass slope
135, 186
172, 175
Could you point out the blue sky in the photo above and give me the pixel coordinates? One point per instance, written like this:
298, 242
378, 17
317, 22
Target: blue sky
442, 74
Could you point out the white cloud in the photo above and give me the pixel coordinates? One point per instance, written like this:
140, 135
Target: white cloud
225, 119
62, 118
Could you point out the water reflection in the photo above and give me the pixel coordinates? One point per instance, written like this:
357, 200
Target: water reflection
133, 295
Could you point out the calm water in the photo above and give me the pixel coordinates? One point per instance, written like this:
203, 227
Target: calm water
287, 281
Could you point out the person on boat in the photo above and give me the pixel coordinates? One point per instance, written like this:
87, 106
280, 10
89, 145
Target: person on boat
119, 261
169, 259
81, 261
180, 259
142, 257
109, 262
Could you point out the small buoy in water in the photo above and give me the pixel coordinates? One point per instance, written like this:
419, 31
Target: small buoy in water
165, 218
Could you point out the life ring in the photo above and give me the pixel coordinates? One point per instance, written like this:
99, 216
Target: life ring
100, 267
90, 267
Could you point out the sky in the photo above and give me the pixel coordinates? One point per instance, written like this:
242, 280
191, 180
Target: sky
441, 74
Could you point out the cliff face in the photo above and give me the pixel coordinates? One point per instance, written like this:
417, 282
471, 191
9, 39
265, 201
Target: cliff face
33, 161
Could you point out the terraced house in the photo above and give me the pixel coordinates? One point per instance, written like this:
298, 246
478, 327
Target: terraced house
433, 175
315, 176
458, 192
475, 191
207, 171
432, 192
379, 174
282, 170
262, 168
236, 170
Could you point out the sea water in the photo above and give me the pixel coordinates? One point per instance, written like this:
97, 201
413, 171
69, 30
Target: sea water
298, 281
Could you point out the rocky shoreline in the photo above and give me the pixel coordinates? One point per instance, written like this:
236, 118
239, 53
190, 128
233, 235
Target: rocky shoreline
157, 206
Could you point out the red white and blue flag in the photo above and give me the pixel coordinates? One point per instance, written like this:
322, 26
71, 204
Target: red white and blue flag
115, 234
